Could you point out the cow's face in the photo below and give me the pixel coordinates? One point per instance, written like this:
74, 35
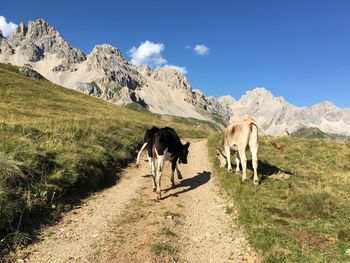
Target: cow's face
184, 153
221, 158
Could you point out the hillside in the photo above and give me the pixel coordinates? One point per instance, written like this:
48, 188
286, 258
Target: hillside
301, 210
316, 133
55, 141
312, 133
105, 73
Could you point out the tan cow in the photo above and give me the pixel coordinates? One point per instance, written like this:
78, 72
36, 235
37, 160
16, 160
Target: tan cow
238, 136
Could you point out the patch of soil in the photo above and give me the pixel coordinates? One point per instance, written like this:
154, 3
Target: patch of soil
279, 212
317, 240
281, 222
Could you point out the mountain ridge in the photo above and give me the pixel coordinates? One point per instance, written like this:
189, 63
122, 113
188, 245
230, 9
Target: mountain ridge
106, 74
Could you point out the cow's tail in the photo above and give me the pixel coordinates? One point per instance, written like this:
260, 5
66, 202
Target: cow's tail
139, 154
276, 145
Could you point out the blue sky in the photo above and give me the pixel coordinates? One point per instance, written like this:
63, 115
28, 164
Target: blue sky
297, 49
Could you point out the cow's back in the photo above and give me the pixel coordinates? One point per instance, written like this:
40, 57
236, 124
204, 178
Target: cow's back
167, 138
240, 133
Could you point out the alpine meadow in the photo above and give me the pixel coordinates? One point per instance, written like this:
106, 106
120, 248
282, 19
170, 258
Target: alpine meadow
174, 131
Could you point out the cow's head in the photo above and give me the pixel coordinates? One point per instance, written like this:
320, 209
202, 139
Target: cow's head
222, 158
184, 153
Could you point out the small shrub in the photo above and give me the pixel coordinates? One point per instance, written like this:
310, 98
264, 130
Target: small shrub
158, 248
344, 233
10, 172
168, 232
314, 204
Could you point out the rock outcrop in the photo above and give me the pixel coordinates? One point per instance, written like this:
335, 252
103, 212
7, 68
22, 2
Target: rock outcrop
30, 73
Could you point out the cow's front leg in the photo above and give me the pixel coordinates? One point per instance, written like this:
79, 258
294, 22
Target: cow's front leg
243, 162
179, 175
159, 174
151, 162
228, 158
173, 166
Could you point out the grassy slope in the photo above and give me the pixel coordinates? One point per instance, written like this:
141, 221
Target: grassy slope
305, 218
316, 133
54, 140
311, 133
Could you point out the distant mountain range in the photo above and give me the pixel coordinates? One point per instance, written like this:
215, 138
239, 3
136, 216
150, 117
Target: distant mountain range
106, 74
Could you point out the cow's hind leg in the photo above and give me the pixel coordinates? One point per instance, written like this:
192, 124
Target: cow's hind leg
254, 152
151, 162
228, 158
237, 163
159, 173
243, 162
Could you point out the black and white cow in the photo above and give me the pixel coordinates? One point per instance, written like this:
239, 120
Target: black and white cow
164, 144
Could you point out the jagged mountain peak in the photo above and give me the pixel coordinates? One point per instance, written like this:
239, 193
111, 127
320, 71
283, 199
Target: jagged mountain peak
105, 53
173, 77
35, 30
325, 105
38, 39
261, 95
226, 99
256, 93
40, 27
106, 48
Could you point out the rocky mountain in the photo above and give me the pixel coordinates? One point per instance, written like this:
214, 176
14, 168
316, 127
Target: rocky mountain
103, 73
275, 114
106, 74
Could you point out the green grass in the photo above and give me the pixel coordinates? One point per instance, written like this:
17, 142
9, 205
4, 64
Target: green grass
168, 232
311, 133
170, 213
162, 247
307, 214
55, 141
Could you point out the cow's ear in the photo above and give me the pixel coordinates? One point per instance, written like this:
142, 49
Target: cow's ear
187, 144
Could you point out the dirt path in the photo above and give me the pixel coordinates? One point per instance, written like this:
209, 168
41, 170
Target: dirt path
127, 224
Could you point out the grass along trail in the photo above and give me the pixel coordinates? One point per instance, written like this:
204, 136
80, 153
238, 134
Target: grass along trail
126, 223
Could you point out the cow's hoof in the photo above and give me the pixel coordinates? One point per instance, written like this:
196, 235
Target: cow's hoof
229, 170
256, 182
179, 176
159, 196
172, 183
154, 189
237, 171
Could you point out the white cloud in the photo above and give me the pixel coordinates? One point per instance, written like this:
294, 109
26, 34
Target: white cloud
151, 54
7, 28
183, 70
148, 53
201, 50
